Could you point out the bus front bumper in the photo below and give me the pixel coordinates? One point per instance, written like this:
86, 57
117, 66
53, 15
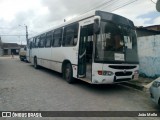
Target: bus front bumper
111, 79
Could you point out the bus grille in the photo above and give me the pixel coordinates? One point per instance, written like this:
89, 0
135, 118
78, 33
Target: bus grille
123, 73
122, 67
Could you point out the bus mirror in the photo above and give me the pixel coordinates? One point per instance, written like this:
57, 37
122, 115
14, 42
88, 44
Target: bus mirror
96, 26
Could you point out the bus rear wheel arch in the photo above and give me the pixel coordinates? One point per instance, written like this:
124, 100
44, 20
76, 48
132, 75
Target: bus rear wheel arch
68, 72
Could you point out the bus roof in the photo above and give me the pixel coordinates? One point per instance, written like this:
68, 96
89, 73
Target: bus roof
104, 15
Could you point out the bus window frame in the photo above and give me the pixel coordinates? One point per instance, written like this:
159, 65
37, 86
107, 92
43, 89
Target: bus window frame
49, 34
76, 30
43, 39
61, 34
37, 43
34, 42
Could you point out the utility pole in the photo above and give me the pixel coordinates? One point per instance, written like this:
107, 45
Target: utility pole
26, 27
26, 34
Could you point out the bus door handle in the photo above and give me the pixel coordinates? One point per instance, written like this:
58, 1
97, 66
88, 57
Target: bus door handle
82, 54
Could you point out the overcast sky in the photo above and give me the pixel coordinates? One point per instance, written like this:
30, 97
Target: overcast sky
40, 15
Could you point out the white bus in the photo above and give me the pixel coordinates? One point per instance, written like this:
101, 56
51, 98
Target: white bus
98, 48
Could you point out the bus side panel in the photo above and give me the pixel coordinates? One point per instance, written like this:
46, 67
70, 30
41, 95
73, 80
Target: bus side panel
75, 68
59, 54
56, 57
34, 53
45, 57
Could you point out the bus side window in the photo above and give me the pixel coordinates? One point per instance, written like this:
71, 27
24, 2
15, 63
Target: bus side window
48, 39
33, 43
38, 42
57, 38
42, 41
35, 39
30, 45
70, 35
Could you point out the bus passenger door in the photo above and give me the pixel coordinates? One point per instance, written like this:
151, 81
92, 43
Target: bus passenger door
82, 53
85, 52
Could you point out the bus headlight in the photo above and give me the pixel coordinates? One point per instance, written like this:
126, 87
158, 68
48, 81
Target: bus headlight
105, 73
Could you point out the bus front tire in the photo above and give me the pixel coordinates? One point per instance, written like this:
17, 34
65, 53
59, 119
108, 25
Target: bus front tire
68, 73
35, 63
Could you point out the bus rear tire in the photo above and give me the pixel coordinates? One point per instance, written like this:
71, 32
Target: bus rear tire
35, 63
68, 73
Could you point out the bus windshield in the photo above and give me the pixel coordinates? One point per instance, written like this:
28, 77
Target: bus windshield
116, 44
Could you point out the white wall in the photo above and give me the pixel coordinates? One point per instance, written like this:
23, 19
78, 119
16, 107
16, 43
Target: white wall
149, 55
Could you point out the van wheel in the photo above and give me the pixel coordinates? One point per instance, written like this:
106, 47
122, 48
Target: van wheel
35, 63
68, 73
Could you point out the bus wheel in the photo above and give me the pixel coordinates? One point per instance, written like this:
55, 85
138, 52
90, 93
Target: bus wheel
68, 73
35, 63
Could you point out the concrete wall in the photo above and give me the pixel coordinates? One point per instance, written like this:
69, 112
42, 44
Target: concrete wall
149, 55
